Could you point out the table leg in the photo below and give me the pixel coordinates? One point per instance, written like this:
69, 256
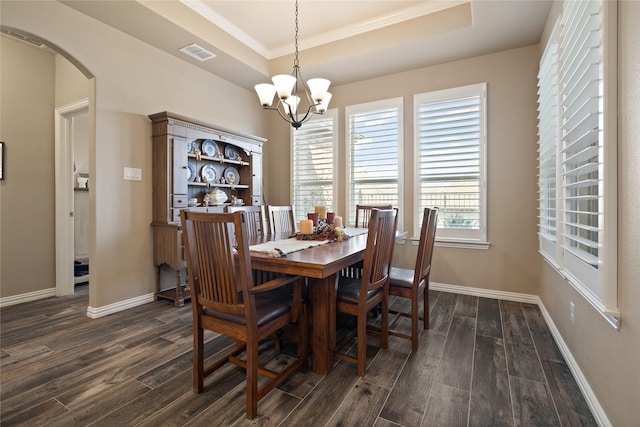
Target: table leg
323, 313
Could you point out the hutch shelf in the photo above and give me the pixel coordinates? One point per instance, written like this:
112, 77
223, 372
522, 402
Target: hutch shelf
190, 160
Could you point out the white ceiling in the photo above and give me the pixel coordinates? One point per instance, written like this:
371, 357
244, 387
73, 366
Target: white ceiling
344, 41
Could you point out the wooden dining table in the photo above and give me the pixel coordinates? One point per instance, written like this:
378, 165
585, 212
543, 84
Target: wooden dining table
320, 265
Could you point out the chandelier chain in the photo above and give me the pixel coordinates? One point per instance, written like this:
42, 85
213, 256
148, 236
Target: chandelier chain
295, 61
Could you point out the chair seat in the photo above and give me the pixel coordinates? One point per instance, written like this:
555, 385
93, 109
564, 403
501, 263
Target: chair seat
349, 290
401, 277
269, 306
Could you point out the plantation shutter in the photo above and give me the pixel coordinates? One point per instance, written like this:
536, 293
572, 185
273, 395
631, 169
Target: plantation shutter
374, 137
313, 165
451, 137
547, 149
580, 74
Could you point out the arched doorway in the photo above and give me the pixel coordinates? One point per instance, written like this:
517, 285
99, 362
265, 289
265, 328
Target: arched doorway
69, 104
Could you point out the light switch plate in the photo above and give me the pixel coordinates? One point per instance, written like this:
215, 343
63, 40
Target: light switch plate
133, 174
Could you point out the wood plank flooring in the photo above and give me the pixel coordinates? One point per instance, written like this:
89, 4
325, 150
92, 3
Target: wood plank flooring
483, 362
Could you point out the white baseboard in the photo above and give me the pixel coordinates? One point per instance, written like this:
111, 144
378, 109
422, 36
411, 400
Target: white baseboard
589, 395
29, 296
106, 310
487, 293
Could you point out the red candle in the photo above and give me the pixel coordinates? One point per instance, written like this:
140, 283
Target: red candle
313, 217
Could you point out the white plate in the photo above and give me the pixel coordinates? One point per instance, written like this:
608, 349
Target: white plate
231, 153
231, 176
191, 172
210, 148
208, 173
191, 146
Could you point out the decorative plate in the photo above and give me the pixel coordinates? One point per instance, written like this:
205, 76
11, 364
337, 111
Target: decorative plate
231, 152
191, 172
191, 146
210, 148
231, 176
208, 173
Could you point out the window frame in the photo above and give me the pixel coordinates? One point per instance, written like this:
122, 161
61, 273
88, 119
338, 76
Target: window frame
350, 110
472, 239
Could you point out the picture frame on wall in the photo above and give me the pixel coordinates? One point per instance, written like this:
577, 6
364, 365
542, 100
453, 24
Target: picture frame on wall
1, 160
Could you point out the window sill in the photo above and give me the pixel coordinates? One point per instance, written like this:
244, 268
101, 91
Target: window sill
613, 318
461, 244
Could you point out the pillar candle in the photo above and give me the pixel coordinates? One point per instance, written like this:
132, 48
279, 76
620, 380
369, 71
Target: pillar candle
331, 216
313, 217
321, 211
337, 221
306, 226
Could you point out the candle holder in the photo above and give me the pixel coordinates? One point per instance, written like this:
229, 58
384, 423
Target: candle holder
323, 231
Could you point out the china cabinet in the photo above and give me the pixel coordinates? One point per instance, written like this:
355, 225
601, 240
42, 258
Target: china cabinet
193, 162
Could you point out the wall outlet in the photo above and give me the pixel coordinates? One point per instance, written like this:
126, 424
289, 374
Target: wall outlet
571, 313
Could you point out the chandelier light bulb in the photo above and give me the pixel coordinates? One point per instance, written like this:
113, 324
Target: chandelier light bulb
284, 84
265, 92
324, 103
318, 88
291, 105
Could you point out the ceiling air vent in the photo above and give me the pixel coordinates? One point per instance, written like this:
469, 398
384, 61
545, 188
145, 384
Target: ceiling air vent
200, 53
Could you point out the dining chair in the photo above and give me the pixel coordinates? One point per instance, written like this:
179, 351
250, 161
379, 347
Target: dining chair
407, 283
256, 219
225, 300
356, 297
281, 219
363, 213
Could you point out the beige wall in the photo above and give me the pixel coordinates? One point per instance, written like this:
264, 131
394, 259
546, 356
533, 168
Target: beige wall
27, 246
512, 134
609, 358
132, 80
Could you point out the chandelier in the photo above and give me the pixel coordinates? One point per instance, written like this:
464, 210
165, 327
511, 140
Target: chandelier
290, 88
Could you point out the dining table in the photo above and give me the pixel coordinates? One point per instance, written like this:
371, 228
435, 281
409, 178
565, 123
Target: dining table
320, 264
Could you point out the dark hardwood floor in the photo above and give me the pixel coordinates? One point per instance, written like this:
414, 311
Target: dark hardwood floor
483, 362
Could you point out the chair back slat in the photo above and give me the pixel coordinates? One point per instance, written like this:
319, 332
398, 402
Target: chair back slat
363, 214
281, 219
219, 279
425, 247
379, 250
256, 219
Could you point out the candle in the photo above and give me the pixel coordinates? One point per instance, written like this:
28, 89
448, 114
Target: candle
321, 211
337, 221
313, 217
331, 216
306, 226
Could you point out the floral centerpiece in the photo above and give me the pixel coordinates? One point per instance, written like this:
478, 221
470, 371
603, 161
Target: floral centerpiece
324, 231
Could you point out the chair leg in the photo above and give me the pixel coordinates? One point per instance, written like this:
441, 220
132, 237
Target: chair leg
362, 344
252, 380
198, 359
414, 323
425, 306
384, 330
303, 340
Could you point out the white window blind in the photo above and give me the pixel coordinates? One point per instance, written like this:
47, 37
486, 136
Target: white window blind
547, 148
451, 141
582, 80
313, 164
374, 138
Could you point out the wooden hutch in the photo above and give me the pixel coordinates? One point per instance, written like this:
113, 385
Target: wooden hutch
191, 159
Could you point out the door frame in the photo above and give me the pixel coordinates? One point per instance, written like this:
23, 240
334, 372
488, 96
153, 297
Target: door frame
64, 210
